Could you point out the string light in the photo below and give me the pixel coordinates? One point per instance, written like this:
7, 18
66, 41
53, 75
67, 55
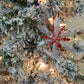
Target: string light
52, 70
50, 20
43, 66
62, 25
1, 58
42, 2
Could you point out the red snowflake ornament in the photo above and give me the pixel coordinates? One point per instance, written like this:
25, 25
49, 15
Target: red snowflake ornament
55, 38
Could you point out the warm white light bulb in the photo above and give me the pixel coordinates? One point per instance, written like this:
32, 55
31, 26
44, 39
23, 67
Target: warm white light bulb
1, 58
52, 70
42, 2
42, 65
50, 20
62, 25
